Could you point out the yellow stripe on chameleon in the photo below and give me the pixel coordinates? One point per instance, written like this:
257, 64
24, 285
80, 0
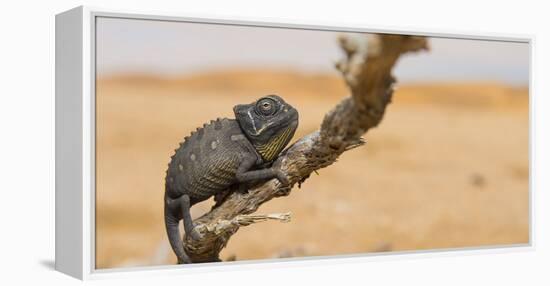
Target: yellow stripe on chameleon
273, 147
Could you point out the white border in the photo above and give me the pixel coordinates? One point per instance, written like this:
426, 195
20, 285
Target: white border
88, 143
88, 125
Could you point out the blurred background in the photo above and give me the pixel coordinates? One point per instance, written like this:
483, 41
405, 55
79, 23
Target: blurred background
448, 167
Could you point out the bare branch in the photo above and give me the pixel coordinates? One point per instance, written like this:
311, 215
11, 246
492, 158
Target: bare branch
366, 69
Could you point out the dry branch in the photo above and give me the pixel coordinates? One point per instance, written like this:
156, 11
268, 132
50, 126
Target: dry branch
366, 69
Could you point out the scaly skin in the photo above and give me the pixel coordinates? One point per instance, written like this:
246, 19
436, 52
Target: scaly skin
221, 154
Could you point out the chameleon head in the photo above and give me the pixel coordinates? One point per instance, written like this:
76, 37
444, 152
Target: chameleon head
269, 124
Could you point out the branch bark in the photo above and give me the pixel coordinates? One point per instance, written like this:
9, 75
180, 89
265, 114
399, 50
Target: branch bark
366, 68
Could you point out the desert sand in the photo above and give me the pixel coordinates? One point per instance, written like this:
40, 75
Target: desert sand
448, 167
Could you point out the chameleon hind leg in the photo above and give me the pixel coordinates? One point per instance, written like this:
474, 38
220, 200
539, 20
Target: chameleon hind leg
174, 211
188, 226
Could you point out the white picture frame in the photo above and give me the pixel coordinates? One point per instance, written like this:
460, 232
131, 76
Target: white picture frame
75, 147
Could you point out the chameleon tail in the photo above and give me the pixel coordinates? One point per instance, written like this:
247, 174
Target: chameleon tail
172, 229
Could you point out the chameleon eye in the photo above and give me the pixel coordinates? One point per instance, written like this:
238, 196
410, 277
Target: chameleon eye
266, 107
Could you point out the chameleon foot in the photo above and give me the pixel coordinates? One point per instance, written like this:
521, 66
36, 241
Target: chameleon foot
282, 177
196, 235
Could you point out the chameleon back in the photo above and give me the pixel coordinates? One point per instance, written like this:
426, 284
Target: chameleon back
207, 161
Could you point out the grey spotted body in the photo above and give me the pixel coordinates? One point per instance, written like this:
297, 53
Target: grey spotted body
206, 162
221, 154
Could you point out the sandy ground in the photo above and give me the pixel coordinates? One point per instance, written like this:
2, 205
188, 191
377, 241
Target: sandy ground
448, 167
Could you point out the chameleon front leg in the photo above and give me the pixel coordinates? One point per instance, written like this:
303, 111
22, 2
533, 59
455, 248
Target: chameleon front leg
245, 175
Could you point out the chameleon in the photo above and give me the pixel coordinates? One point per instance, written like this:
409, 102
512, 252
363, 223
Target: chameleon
225, 153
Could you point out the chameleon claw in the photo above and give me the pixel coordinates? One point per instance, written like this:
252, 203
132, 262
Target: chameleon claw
283, 178
196, 235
